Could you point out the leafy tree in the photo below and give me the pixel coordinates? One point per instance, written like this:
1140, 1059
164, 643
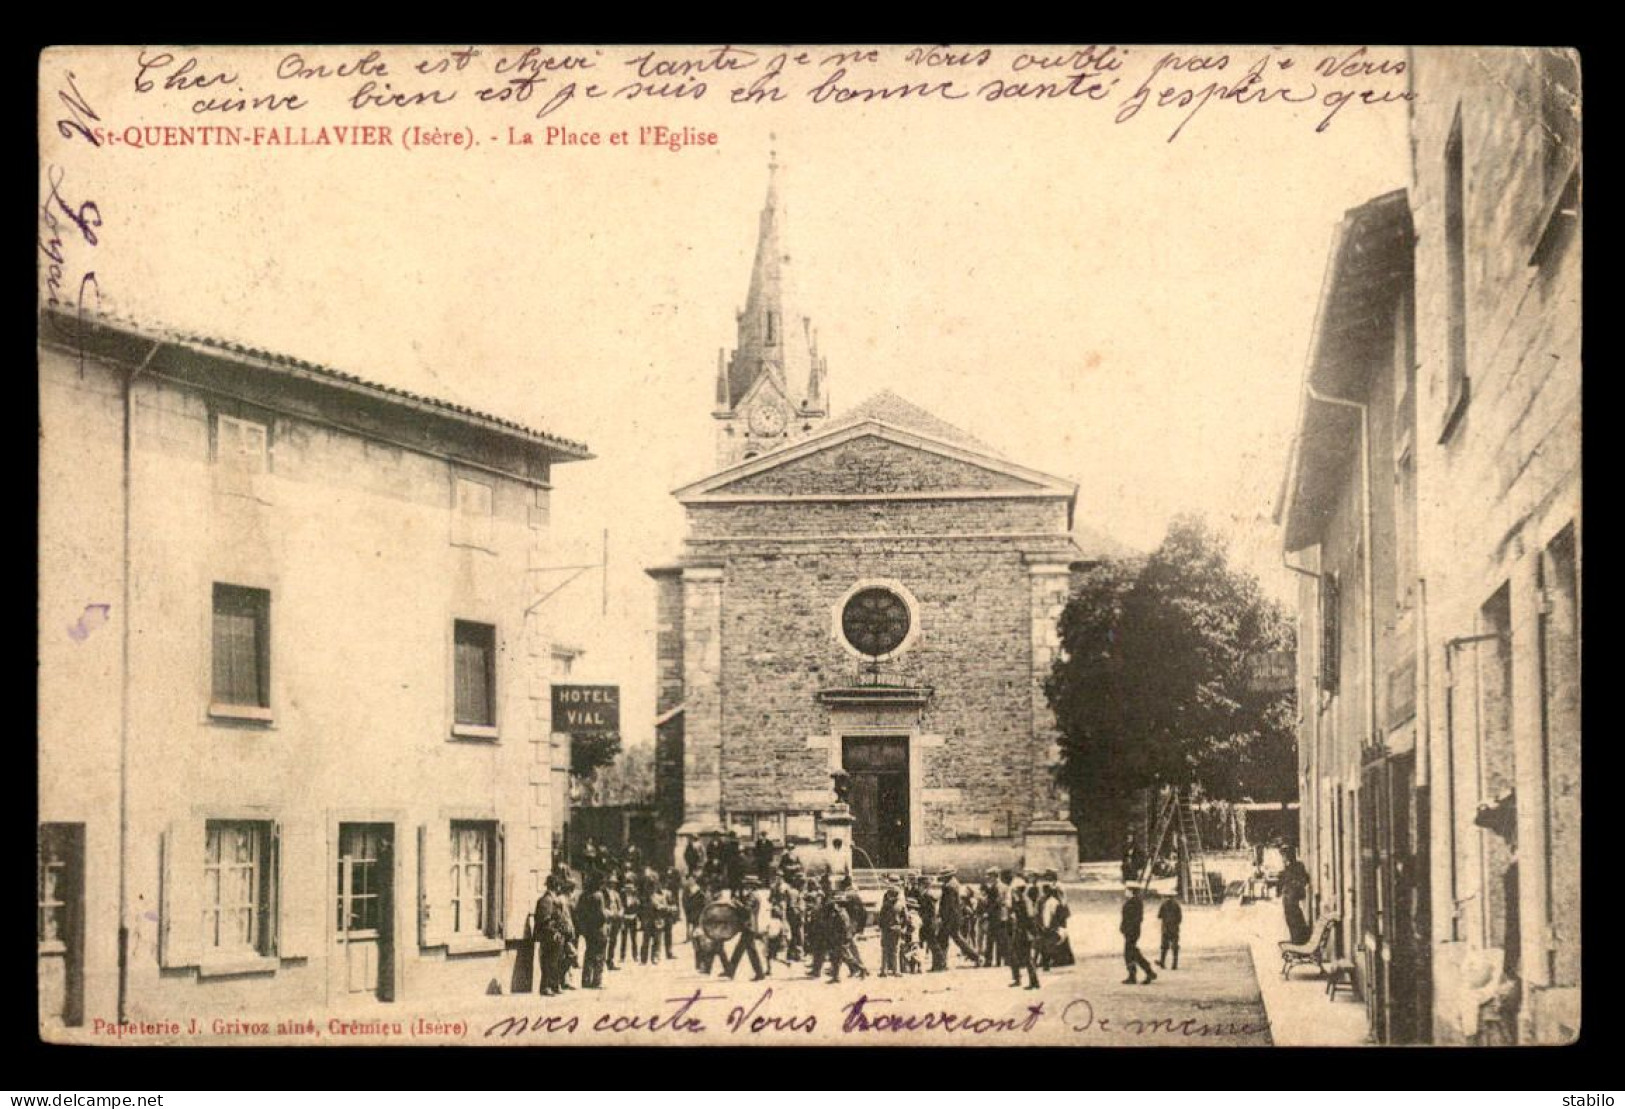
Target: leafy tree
1151, 685
628, 780
589, 753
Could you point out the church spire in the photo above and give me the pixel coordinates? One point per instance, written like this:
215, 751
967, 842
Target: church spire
773, 335
773, 387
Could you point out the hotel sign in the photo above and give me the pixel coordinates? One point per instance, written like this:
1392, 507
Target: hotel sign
1273, 672
587, 710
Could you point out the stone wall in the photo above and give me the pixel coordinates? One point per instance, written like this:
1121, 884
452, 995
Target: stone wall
1499, 491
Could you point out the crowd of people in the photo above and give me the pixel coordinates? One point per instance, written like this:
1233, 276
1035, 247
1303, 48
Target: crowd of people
758, 904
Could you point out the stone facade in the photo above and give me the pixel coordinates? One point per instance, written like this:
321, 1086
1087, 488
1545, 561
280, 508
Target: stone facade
761, 693
361, 539
1499, 475
1434, 506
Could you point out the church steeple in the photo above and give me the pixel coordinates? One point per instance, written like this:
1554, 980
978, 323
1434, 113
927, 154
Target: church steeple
775, 343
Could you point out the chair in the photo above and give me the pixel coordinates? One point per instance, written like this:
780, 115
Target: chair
1314, 951
1339, 975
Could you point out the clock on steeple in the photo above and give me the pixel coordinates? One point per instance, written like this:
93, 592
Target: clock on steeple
770, 388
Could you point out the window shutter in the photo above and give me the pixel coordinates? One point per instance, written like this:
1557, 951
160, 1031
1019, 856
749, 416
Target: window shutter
300, 877
181, 900
434, 884
500, 894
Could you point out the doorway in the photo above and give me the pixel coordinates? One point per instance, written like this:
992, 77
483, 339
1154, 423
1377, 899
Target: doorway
61, 934
879, 769
364, 938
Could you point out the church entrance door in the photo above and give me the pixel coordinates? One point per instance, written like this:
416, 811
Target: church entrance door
879, 769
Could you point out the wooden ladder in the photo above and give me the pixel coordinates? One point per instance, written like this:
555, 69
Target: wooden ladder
1193, 863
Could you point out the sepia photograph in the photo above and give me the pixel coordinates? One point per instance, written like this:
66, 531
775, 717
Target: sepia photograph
840, 545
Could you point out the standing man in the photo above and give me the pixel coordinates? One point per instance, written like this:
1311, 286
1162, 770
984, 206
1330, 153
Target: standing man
1133, 860
1294, 885
764, 858
694, 902
549, 940
951, 919
1133, 916
891, 930
930, 933
652, 920
996, 894
612, 918
756, 908
1023, 935
631, 910
591, 918
1170, 914
694, 857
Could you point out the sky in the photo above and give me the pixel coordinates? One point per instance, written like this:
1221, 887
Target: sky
1091, 299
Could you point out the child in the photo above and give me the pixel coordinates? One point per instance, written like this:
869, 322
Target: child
1170, 914
910, 946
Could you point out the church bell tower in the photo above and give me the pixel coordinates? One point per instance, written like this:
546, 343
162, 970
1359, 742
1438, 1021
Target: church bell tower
772, 388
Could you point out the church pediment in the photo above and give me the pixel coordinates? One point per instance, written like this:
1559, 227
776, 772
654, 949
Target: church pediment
871, 460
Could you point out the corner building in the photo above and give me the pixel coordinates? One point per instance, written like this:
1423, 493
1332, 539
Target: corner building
294, 714
875, 592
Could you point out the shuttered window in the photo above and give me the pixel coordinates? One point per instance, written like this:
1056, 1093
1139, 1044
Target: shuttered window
241, 642
237, 895
476, 674
472, 847
1331, 640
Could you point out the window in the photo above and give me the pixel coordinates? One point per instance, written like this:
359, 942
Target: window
242, 445
237, 891
1331, 640
242, 619
473, 507
876, 620
362, 877
475, 675
1455, 244
473, 878
52, 893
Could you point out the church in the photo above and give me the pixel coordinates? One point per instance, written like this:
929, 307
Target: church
874, 592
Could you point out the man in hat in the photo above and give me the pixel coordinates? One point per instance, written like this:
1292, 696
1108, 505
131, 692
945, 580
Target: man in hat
813, 929
996, 899
852, 901
1023, 935
909, 953
764, 858
891, 927
756, 908
930, 930
631, 912
951, 918
612, 918
1133, 917
795, 924
591, 918
1133, 860
1171, 915
551, 928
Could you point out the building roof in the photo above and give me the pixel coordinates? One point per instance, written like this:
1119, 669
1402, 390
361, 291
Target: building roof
66, 327
1370, 263
889, 408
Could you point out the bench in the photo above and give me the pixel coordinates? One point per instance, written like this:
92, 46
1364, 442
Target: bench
1314, 951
